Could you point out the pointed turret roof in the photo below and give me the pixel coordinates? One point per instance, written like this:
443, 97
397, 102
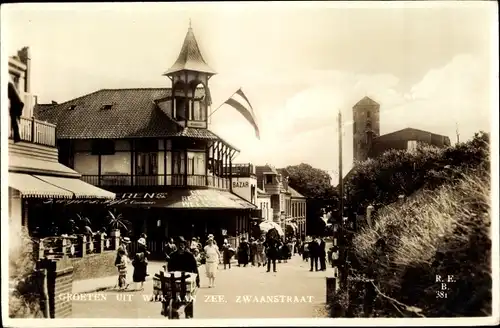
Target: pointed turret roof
366, 101
190, 57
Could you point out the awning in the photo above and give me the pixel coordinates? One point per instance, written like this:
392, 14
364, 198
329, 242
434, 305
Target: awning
24, 164
30, 186
175, 199
78, 187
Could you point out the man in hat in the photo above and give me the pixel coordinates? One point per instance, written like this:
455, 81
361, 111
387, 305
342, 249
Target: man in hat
183, 260
122, 254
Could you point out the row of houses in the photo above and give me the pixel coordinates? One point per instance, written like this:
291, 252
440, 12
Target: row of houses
144, 153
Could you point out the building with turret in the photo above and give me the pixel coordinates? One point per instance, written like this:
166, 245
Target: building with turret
152, 147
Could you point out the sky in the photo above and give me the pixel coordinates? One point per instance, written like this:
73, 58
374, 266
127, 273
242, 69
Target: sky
299, 64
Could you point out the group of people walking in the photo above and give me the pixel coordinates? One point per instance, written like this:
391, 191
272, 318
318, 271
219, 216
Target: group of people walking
139, 261
314, 250
182, 255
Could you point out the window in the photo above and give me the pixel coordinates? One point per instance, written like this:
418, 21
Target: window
103, 147
368, 114
178, 162
180, 108
146, 163
196, 163
412, 145
269, 179
354, 127
198, 110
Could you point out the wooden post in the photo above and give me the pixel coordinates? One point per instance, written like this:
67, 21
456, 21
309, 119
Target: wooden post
33, 129
84, 245
231, 172
101, 244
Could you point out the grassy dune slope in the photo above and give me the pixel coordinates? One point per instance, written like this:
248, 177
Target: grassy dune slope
441, 232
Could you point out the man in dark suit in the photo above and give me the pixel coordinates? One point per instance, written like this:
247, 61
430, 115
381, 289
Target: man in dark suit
322, 254
314, 253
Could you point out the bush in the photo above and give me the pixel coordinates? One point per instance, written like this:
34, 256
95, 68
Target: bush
435, 232
380, 181
24, 298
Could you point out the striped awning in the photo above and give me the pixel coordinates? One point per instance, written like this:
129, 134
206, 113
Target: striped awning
77, 187
32, 187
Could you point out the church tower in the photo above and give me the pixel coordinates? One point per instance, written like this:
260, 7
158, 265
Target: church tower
190, 74
366, 127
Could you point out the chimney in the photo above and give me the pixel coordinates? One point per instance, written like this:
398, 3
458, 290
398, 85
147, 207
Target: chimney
54, 102
25, 58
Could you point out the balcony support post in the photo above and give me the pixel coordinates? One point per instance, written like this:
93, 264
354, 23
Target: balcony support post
132, 162
164, 162
231, 172
33, 122
99, 162
185, 167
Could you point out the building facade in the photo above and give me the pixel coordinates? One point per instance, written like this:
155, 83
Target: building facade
368, 143
152, 147
284, 200
35, 175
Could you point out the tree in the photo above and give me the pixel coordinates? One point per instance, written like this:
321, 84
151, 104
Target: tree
311, 182
315, 185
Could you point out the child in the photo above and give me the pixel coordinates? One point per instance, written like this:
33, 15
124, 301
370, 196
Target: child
122, 269
305, 252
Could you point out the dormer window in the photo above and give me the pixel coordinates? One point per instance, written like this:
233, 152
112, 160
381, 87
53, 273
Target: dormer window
72, 107
107, 106
269, 179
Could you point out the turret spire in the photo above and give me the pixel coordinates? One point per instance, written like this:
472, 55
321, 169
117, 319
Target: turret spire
190, 57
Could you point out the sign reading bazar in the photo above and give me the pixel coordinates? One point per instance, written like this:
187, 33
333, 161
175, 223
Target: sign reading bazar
240, 184
125, 198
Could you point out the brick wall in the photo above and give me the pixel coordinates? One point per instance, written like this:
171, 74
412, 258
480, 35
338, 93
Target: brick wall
94, 266
60, 286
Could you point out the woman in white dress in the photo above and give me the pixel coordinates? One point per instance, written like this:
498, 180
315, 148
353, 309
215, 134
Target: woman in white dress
212, 255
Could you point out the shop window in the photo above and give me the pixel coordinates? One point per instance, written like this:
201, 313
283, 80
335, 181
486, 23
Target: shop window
196, 163
146, 163
178, 162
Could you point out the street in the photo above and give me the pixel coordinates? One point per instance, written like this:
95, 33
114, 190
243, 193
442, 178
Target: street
251, 292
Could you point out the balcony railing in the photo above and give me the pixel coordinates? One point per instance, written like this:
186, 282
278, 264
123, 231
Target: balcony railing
176, 180
35, 131
241, 170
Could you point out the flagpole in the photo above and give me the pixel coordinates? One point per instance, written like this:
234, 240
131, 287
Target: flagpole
223, 103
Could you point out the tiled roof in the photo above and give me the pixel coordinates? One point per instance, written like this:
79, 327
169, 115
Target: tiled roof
190, 57
133, 113
406, 132
295, 193
366, 101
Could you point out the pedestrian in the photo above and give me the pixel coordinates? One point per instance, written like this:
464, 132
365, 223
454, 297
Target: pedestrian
194, 245
122, 269
261, 252
290, 249
272, 253
322, 254
212, 259
184, 261
169, 249
227, 253
285, 252
243, 252
253, 251
305, 251
314, 253
140, 263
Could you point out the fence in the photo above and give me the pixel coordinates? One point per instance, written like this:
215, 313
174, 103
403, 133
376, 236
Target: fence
75, 246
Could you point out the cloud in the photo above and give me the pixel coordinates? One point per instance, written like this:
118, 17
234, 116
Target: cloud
304, 128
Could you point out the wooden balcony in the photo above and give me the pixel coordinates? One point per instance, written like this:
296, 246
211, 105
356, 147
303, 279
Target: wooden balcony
175, 180
241, 170
35, 131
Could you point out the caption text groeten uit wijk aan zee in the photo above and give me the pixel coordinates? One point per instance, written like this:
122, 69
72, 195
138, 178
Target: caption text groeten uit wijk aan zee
129, 297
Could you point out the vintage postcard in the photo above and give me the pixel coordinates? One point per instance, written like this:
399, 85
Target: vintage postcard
246, 164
